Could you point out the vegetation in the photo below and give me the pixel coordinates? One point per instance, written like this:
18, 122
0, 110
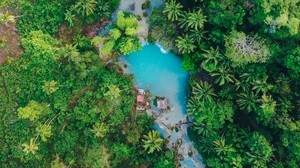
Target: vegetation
243, 57
243, 98
63, 106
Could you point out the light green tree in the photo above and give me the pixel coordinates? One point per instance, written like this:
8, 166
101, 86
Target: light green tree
33, 110
173, 10
44, 131
100, 130
30, 147
152, 141
125, 22
113, 92
267, 108
115, 33
50, 87
242, 49
6, 18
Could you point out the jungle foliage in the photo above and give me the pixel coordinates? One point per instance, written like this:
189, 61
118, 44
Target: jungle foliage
61, 105
243, 57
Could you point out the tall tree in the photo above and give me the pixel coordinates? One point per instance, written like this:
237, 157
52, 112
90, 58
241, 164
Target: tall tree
152, 141
85, 7
173, 10
192, 20
242, 49
185, 44
223, 75
248, 101
203, 91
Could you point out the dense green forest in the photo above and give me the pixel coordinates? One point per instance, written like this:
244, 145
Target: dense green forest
63, 106
244, 59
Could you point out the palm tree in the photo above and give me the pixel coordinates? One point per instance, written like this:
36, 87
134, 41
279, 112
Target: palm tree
173, 9
203, 130
32, 147
192, 20
69, 17
248, 101
44, 131
85, 7
203, 91
99, 130
223, 75
268, 107
185, 44
152, 141
248, 77
243, 85
221, 148
113, 92
103, 8
6, 18
50, 87
211, 59
261, 85
197, 35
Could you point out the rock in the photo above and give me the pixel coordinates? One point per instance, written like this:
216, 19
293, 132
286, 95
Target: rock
132, 7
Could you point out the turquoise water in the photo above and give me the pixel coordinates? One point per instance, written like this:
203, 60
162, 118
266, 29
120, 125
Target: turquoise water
161, 73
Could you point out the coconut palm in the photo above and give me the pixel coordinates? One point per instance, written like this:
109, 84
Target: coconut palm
198, 35
248, 101
248, 77
223, 75
261, 85
32, 147
113, 92
173, 9
211, 59
69, 17
85, 7
243, 85
6, 18
100, 130
152, 141
185, 44
50, 87
44, 131
268, 106
203, 91
192, 20
221, 148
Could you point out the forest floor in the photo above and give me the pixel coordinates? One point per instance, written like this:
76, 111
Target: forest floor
9, 42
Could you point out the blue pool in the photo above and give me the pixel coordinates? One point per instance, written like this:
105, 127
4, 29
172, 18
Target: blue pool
160, 72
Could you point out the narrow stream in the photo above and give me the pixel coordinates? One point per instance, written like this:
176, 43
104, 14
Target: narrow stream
160, 72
